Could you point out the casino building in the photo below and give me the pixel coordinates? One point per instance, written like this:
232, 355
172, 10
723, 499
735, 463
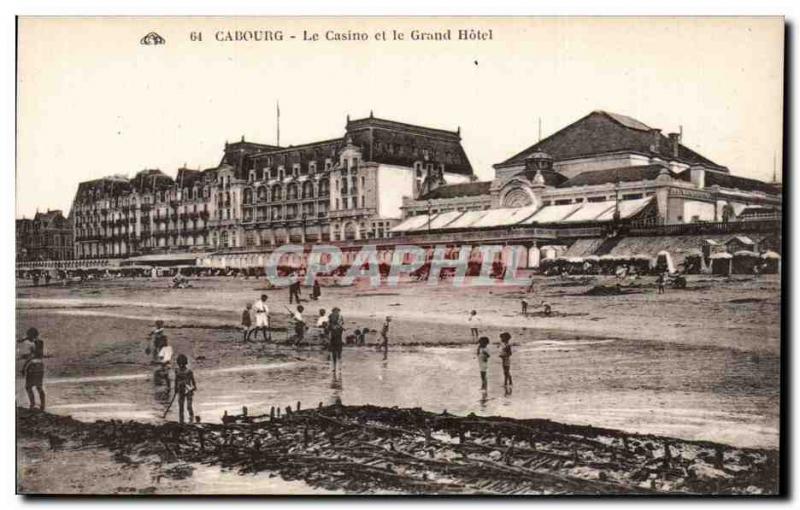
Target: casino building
603, 168
260, 196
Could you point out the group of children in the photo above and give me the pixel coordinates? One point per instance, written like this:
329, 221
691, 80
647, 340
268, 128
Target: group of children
185, 384
505, 358
475, 324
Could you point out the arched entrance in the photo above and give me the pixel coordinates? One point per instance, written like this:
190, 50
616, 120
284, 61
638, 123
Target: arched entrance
350, 231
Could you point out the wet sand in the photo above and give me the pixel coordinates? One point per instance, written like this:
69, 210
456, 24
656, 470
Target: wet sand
699, 364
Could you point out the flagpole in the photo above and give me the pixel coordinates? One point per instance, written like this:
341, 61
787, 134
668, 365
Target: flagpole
278, 109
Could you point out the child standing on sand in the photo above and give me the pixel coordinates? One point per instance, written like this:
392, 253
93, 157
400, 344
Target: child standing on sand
247, 322
474, 322
157, 337
483, 360
33, 367
185, 386
505, 356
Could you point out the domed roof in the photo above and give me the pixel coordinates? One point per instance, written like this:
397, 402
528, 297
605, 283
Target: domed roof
539, 155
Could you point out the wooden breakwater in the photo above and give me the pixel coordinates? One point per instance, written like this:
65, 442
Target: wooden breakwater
367, 449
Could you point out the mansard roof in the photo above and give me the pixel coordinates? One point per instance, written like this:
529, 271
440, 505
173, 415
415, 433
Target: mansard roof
600, 133
380, 140
733, 182
612, 175
464, 189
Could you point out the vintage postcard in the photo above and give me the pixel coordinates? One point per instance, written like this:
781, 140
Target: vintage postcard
508, 256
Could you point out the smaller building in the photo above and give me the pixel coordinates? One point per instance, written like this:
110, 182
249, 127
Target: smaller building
47, 236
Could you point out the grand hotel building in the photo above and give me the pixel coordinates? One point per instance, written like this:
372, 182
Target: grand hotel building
261, 196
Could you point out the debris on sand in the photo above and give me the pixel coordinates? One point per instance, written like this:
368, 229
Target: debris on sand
747, 300
605, 290
368, 449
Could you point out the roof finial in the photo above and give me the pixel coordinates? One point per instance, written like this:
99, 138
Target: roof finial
458, 130
370, 114
243, 138
348, 117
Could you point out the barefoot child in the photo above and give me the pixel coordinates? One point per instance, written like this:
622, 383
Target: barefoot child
185, 386
335, 329
262, 317
157, 336
505, 356
385, 337
247, 322
33, 368
298, 324
473, 321
483, 359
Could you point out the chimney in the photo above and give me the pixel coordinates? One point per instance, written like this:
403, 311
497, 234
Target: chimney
698, 176
655, 145
675, 143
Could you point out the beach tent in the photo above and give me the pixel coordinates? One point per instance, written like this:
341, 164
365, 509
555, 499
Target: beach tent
664, 262
641, 262
694, 262
771, 261
744, 261
721, 263
739, 243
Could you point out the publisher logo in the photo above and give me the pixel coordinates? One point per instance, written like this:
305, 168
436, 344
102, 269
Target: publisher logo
152, 39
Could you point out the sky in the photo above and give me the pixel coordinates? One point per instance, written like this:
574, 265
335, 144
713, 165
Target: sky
93, 101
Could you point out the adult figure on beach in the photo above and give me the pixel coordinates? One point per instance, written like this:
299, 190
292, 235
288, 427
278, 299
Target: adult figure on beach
335, 330
261, 310
33, 368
